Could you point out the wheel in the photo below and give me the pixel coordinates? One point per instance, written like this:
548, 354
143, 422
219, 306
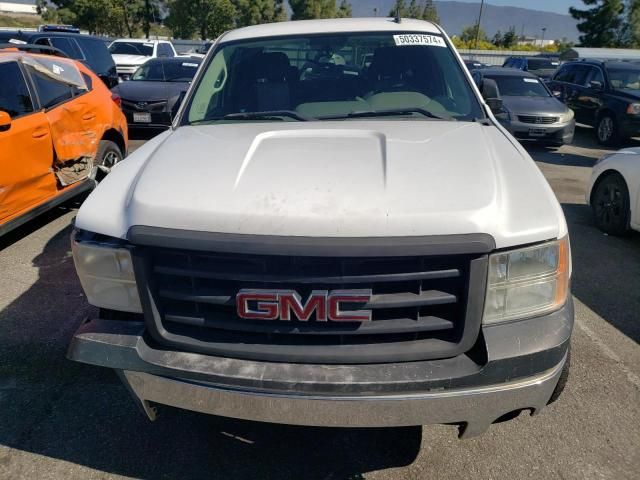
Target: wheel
610, 205
607, 130
108, 156
562, 381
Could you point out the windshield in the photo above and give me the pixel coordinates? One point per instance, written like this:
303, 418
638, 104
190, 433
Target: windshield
542, 64
336, 76
520, 87
162, 71
131, 48
624, 79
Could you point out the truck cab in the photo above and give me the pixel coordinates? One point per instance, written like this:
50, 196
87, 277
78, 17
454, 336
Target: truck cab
336, 231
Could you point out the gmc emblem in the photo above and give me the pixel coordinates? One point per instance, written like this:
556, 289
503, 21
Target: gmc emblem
287, 305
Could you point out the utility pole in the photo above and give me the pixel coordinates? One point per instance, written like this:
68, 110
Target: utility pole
544, 30
478, 24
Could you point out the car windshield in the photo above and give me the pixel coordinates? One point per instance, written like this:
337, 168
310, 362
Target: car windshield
520, 86
624, 78
131, 48
162, 71
542, 64
333, 76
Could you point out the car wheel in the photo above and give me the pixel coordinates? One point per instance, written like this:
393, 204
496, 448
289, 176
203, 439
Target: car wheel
607, 130
108, 156
610, 205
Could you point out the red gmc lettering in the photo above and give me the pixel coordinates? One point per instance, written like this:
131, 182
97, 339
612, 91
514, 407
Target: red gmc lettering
291, 301
287, 305
266, 306
338, 298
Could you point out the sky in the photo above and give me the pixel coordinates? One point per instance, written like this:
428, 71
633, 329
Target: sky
558, 6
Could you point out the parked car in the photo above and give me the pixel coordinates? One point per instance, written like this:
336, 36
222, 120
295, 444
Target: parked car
614, 192
530, 111
604, 95
320, 244
129, 54
89, 50
59, 131
542, 67
152, 96
474, 65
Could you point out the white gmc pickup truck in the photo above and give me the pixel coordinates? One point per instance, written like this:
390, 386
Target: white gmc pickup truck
336, 231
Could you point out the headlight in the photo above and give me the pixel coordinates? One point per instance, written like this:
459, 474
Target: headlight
567, 117
633, 109
528, 281
106, 274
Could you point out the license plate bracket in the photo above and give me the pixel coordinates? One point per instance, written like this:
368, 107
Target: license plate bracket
537, 132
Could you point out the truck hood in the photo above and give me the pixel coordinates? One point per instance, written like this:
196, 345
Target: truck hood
121, 59
330, 179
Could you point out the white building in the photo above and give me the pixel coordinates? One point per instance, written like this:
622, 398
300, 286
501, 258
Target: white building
24, 7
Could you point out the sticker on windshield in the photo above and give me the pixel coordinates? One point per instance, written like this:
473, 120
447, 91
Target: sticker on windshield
531, 80
419, 39
57, 69
193, 65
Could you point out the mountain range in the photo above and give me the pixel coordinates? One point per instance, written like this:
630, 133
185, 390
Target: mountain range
454, 16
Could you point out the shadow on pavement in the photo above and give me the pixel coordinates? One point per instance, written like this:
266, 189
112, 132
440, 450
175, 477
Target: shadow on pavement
81, 414
606, 271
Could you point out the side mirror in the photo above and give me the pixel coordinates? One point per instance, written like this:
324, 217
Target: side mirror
5, 121
491, 94
495, 104
557, 93
595, 85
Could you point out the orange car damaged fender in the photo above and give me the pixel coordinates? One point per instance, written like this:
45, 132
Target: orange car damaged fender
48, 150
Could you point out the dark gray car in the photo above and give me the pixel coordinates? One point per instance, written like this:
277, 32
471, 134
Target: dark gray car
152, 96
530, 111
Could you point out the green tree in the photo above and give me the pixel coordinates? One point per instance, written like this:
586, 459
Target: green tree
399, 7
254, 12
601, 25
308, 9
497, 39
344, 11
180, 20
470, 33
213, 17
632, 25
430, 12
510, 38
414, 10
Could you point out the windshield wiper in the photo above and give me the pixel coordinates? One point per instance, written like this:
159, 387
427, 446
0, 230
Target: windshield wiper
272, 115
386, 113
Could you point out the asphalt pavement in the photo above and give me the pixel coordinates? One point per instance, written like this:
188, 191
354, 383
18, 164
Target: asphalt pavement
62, 420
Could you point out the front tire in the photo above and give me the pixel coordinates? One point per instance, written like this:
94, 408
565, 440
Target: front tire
108, 156
607, 130
610, 205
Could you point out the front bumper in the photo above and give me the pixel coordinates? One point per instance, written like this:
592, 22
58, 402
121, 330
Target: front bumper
557, 133
514, 366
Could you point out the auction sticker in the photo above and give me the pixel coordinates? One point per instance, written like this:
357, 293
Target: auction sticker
419, 39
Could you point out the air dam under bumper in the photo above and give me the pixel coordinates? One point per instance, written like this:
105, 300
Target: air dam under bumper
521, 366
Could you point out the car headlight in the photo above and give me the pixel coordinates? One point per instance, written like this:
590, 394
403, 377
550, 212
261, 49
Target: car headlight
106, 275
567, 117
528, 281
633, 109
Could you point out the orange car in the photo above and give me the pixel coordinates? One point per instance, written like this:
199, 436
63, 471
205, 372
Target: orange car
60, 131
